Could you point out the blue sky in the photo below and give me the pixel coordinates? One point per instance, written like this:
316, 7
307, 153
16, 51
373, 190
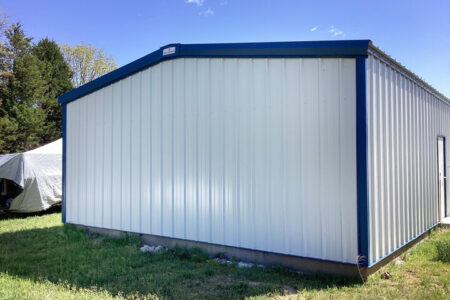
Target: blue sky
416, 33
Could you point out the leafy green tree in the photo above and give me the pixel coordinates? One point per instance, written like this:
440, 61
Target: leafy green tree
87, 62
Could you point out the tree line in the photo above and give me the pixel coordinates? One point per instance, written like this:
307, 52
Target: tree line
32, 77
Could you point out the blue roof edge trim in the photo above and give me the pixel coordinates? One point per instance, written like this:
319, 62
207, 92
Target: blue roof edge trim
362, 188
341, 48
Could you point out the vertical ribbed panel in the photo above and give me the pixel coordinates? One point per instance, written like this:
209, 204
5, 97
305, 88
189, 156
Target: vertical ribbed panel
253, 153
404, 122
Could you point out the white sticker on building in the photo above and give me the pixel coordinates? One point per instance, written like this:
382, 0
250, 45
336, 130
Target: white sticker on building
167, 51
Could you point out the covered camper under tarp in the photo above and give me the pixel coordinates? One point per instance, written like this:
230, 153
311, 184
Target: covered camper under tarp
37, 176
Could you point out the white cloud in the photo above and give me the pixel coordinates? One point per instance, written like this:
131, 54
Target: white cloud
314, 28
223, 2
336, 31
198, 2
206, 13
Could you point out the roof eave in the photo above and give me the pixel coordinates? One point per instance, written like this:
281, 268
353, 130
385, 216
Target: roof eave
383, 56
325, 49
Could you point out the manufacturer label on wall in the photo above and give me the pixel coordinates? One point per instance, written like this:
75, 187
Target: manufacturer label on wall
169, 50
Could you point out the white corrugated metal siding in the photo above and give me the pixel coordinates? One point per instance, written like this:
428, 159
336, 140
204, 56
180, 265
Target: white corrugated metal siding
404, 122
252, 153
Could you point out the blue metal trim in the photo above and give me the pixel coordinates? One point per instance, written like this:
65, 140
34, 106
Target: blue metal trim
402, 245
361, 163
63, 201
349, 48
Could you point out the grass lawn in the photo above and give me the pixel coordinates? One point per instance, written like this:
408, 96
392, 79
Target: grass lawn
41, 258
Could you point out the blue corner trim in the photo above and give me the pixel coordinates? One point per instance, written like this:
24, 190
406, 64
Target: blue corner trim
361, 163
348, 48
63, 203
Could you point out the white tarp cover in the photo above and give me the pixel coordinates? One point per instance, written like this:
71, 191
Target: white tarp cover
39, 173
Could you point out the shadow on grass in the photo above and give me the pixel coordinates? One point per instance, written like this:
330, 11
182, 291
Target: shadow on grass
67, 255
5, 215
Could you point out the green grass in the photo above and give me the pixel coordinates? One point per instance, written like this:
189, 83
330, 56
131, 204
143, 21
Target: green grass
41, 258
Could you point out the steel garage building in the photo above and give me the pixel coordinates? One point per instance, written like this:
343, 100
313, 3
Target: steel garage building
323, 156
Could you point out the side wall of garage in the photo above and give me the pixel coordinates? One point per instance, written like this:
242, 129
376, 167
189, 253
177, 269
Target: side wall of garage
251, 153
405, 119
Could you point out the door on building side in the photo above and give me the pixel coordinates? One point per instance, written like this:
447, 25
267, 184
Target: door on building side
442, 178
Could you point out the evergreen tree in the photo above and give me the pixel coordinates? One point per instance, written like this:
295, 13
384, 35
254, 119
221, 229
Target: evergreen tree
23, 94
32, 78
57, 76
4, 54
8, 131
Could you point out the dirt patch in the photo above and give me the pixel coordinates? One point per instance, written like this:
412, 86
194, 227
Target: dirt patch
411, 278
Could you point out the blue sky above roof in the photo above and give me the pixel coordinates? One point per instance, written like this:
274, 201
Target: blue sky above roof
415, 33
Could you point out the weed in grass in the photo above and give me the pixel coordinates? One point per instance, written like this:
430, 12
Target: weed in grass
280, 269
209, 271
194, 254
187, 275
443, 250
